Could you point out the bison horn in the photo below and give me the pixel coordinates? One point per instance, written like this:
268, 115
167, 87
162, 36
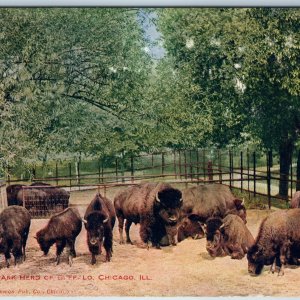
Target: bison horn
180, 200
35, 237
156, 198
222, 226
105, 221
84, 221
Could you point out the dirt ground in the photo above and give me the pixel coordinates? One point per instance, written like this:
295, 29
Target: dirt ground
183, 270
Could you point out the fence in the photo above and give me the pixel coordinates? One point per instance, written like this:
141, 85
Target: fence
256, 172
3, 202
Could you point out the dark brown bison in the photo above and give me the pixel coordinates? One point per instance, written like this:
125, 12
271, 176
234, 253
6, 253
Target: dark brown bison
62, 229
277, 242
210, 200
99, 222
228, 236
189, 228
14, 229
58, 198
35, 200
12, 193
156, 206
295, 202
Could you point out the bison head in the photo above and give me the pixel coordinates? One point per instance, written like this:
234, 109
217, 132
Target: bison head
214, 237
189, 227
167, 205
43, 242
95, 225
256, 260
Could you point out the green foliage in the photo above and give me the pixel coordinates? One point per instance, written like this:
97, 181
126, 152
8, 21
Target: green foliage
69, 79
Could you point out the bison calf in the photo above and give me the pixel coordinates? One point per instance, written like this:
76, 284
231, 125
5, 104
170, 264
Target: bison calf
14, 229
62, 229
228, 236
99, 220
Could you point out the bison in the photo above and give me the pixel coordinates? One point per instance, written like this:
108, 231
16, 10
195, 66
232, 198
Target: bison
156, 206
277, 242
210, 200
58, 198
12, 193
99, 222
228, 236
295, 202
62, 229
189, 228
14, 229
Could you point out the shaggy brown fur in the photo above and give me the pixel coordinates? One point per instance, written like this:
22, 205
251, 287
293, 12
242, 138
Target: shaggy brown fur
278, 236
229, 236
14, 229
157, 218
62, 229
210, 200
99, 222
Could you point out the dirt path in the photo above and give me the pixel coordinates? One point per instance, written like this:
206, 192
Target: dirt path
184, 270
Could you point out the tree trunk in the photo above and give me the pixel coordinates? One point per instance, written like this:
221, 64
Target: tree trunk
285, 152
298, 172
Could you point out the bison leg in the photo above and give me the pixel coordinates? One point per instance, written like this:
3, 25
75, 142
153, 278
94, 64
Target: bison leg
7, 259
93, 261
273, 267
25, 236
127, 228
108, 246
60, 245
17, 251
121, 225
71, 251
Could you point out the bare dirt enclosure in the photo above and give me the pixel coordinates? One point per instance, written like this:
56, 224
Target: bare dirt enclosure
183, 270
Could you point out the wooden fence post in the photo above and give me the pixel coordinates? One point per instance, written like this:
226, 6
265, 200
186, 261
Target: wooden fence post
162, 163
185, 171
198, 170
191, 166
174, 159
230, 170
56, 173
70, 175
132, 168
180, 170
254, 174
269, 158
242, 169
116, 162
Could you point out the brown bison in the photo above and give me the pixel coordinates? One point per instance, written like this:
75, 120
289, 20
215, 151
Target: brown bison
99, 221
12, 193
189, 228
62, 229
57, 197
156, 206
14, 229
210, 200
228, 236
295, 202
277, 242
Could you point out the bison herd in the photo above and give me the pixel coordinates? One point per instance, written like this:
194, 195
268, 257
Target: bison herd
166, 216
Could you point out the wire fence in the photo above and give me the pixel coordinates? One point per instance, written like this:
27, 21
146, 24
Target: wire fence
256, 172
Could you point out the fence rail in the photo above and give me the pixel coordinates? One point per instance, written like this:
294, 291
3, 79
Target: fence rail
249, 171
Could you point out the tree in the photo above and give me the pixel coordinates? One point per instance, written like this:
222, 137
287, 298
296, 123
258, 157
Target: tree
69, 79
244, 63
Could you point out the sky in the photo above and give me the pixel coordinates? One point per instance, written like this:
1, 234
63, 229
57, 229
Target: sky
152, 35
